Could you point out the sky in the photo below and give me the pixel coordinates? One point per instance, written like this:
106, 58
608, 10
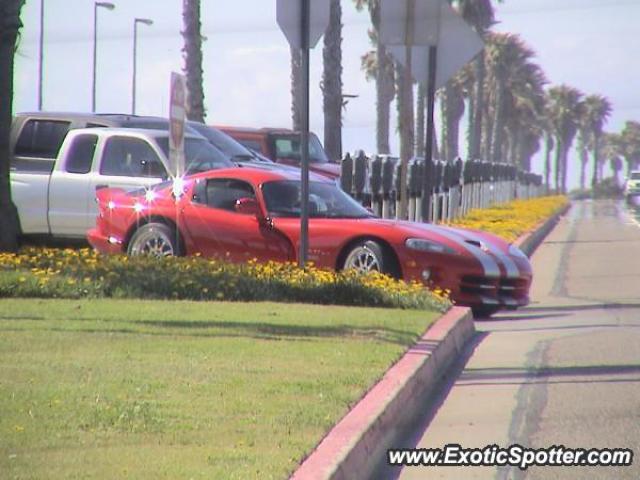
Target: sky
588, 44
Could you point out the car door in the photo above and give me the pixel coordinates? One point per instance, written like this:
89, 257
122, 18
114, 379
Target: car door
218, 230
70, 194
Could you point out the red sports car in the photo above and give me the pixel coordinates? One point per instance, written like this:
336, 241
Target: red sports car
245, 213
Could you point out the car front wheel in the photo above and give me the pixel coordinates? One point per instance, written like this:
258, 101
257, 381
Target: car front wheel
365, 256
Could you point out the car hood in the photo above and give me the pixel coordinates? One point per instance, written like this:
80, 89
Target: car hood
330, 170
459, 238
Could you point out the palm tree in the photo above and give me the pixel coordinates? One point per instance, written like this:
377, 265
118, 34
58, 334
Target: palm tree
515, 90
193, 59
630, 141
596, 109
332, 82
480, 15
379, 65
565, 111
10, 25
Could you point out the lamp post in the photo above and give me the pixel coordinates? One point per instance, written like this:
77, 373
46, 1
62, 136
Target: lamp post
40, 55
136, 21
108, 6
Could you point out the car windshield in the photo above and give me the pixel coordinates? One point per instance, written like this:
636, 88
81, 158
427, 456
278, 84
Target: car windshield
635, 176
223, 142
326, 200
199, 155
288, 148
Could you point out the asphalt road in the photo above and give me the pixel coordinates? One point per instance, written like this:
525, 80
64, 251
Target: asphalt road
563, 371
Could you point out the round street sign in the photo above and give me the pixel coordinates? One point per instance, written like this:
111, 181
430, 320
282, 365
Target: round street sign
177, 110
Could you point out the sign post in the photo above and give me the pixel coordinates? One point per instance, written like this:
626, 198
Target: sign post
429, 37
177, 118
303, 22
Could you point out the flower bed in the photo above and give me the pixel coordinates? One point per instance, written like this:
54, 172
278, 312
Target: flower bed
54, 273
513, 219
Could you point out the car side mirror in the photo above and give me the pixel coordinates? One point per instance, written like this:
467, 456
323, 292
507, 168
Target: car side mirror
247, 206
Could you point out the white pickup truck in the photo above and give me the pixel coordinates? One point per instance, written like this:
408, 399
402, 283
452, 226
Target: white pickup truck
60, 201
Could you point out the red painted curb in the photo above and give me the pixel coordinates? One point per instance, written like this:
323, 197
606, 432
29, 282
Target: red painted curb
351, 449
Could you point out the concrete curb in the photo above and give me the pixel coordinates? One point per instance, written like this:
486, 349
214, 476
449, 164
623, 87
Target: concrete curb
530, 241
353, 447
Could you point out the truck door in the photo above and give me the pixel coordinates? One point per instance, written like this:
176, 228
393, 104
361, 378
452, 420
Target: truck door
126, 162
69, 188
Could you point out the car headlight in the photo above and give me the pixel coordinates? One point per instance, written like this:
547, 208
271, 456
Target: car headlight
516, 252
428, 246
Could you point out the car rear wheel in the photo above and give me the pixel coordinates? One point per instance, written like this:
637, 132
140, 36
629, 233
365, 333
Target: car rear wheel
155, 239
366, 256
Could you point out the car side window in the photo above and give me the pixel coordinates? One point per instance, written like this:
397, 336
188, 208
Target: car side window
80, 156
130, 157
223, 193
41, 138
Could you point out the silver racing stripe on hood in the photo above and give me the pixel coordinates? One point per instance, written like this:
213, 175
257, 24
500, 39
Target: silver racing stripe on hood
489, 265
512, 269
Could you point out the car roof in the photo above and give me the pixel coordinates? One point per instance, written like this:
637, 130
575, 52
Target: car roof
225, 128
260, 174
151, 132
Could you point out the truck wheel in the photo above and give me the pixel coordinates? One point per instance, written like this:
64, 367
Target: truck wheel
366, 256
156, 239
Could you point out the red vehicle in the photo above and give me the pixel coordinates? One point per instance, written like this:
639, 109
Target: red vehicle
283, 146
245, 213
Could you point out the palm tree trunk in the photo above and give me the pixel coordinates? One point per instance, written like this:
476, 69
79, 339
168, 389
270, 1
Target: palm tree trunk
385, 92
477, 108
547, 160
565, 165
584, 160
332, 83
9, 26
193, 59
497, 140
596, 159
405, 111
296, 89
420, 121
558, 165
454, 109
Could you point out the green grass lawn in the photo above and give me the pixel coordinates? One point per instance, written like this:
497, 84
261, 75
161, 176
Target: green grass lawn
141, 389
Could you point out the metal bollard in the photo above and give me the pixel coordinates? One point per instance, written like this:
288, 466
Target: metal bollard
346, 174
376, 185
360, 176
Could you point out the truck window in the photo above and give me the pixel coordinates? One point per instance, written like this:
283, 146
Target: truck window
254, 145
80, 156
41, 138
130, 157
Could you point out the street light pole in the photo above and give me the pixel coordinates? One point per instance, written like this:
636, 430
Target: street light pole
40, 55
108, 6
149, 22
